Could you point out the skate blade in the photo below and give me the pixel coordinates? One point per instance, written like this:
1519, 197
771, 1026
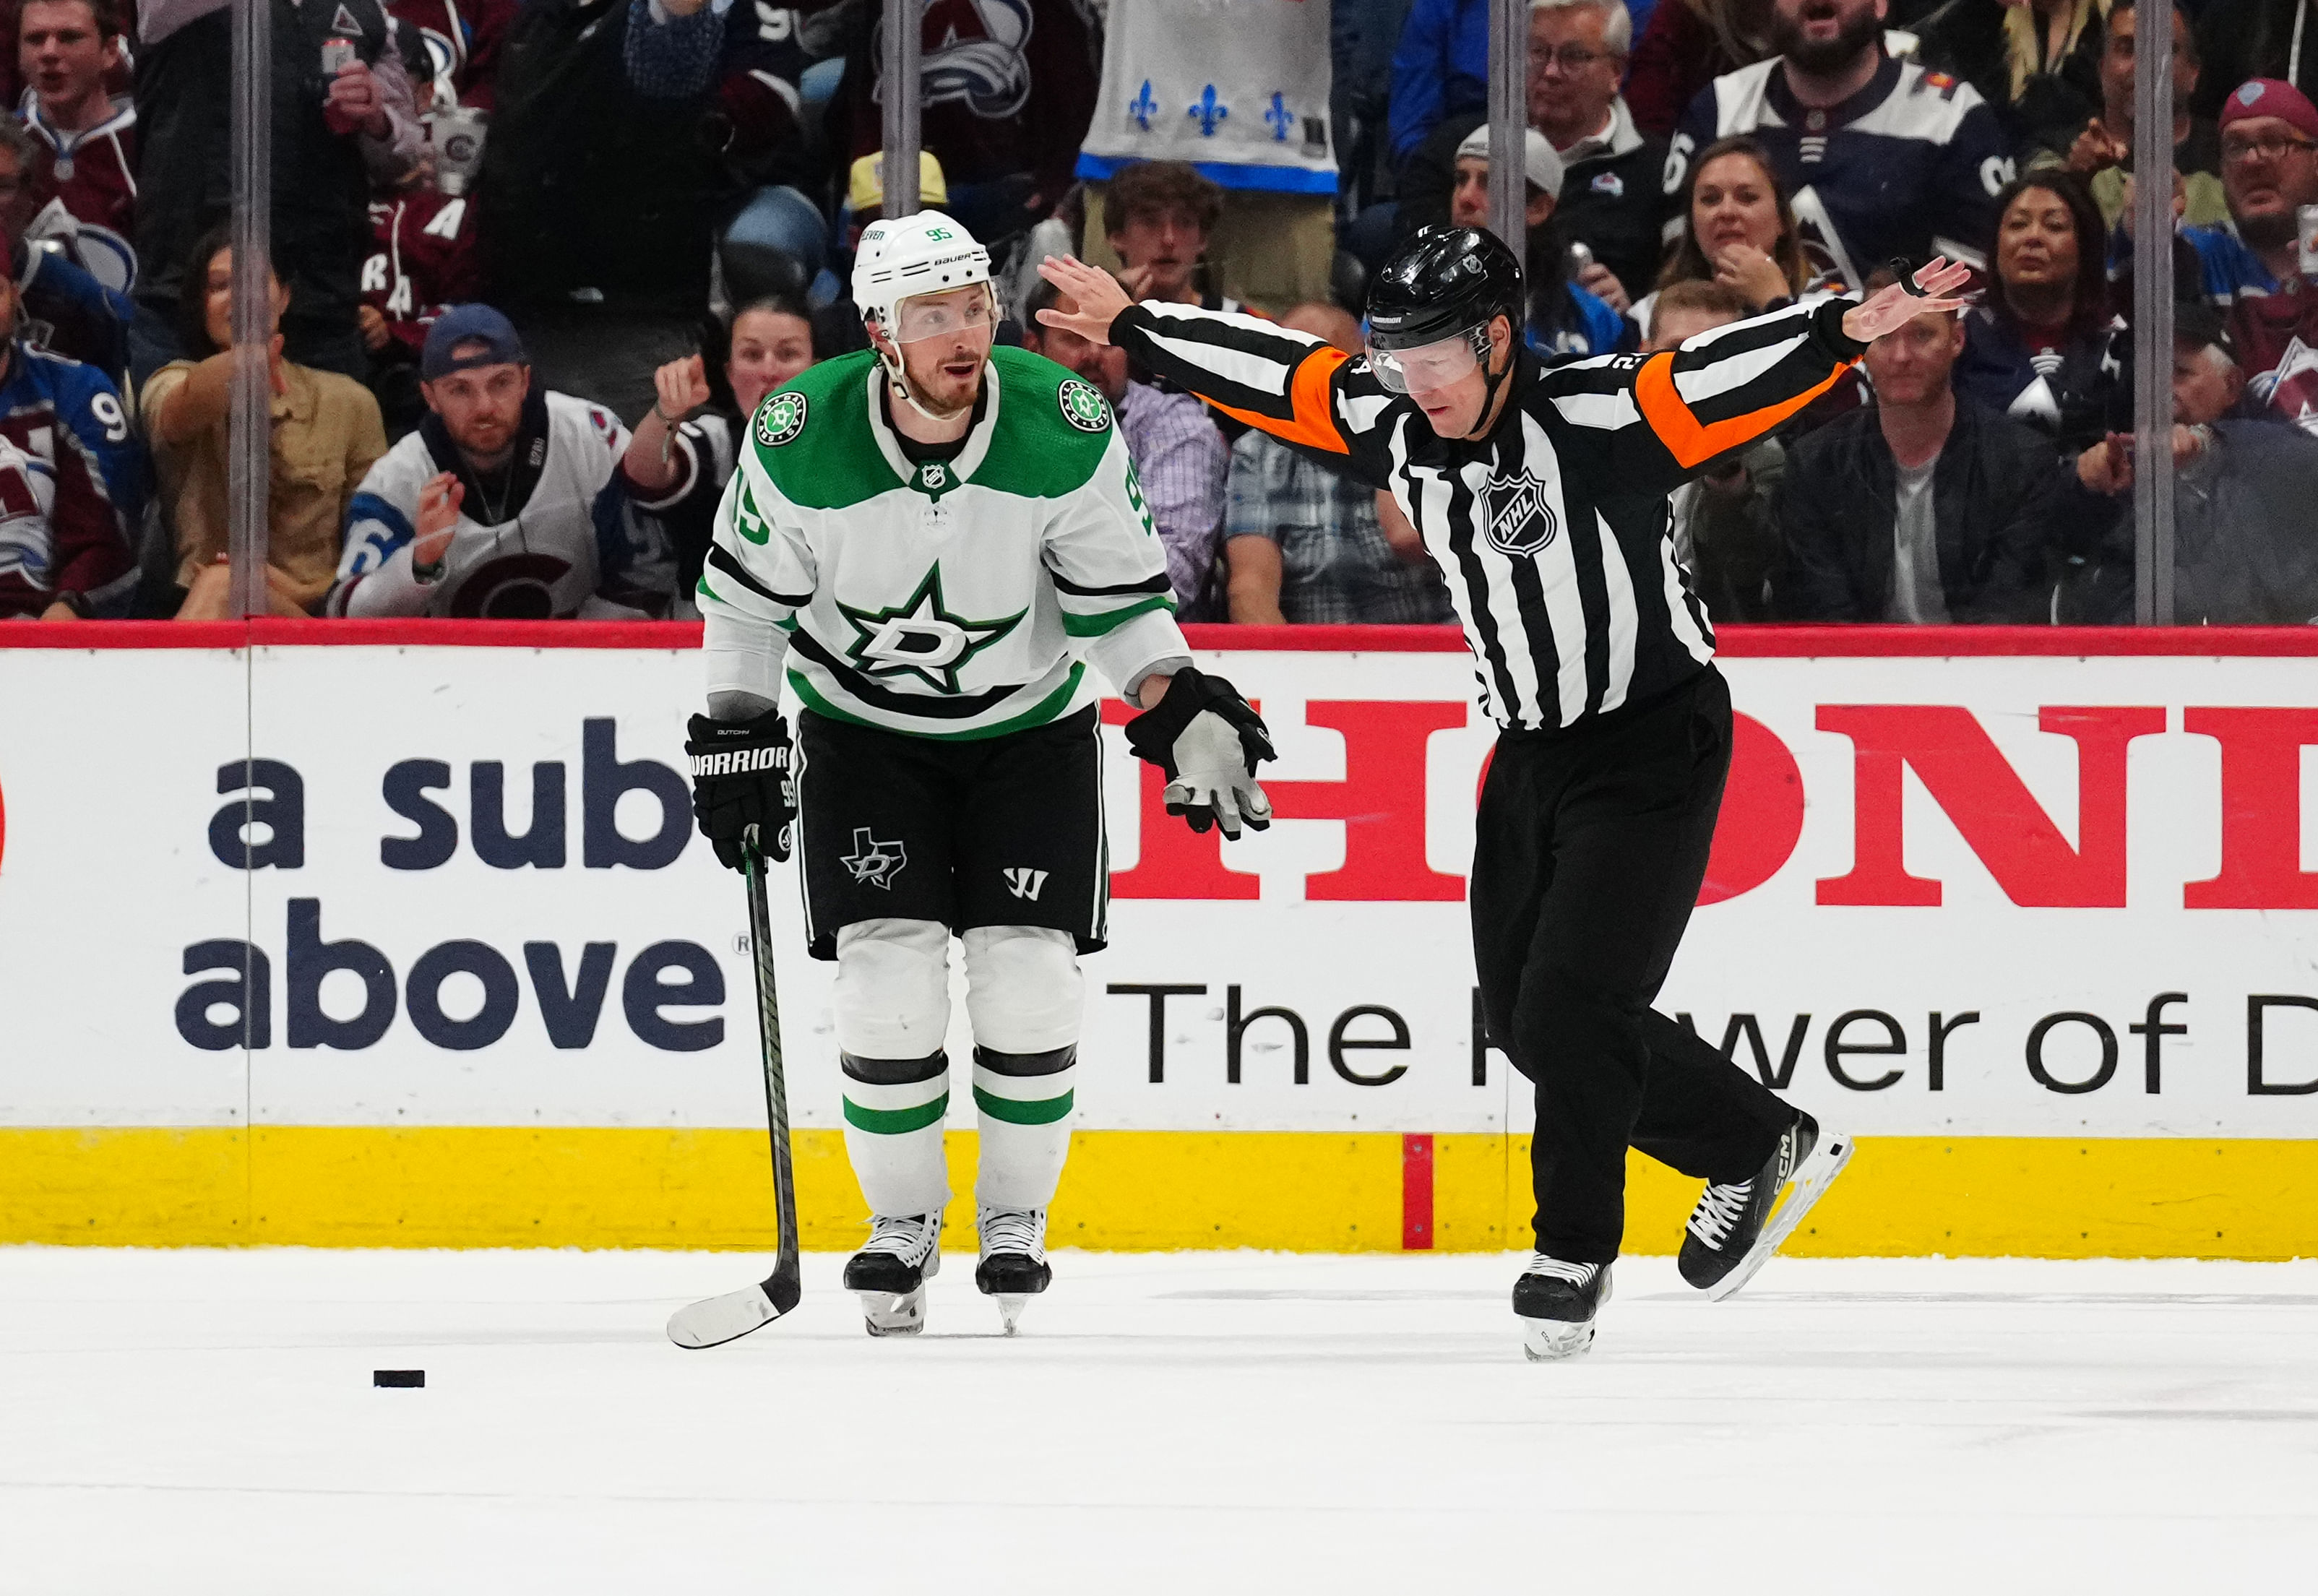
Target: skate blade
884, 1313
1810, 1184
1010, 1308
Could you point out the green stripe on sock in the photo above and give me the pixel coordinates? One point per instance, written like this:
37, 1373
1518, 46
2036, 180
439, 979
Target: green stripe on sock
901, 1122
1045, 1111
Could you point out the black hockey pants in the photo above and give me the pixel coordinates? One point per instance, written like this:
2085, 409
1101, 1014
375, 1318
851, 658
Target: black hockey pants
1591, 848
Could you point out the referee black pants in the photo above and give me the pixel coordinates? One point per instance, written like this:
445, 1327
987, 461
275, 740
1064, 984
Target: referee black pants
1591, 848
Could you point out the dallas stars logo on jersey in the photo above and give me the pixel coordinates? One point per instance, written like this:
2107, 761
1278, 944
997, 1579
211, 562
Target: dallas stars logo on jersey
920, 637
781, 420
1084, 406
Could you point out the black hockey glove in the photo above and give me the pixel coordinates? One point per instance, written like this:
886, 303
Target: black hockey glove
1209, 741
740, 782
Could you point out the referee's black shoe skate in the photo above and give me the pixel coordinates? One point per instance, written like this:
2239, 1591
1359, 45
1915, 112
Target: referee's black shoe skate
1733, 1230
1556, 1301
1014, 1267
890, 1273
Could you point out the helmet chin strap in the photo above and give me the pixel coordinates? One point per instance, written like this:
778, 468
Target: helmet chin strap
897, 378
1492, 380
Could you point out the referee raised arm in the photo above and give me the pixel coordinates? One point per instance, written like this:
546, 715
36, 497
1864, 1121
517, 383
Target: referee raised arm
1542, 494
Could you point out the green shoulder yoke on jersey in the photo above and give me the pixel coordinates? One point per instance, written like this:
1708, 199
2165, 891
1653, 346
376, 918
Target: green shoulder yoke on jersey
1053, 427
812, 437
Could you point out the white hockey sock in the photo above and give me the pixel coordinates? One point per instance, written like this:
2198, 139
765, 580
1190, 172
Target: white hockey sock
894, 1111
1024, 1107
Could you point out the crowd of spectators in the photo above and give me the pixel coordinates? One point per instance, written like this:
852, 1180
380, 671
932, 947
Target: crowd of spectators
535, 263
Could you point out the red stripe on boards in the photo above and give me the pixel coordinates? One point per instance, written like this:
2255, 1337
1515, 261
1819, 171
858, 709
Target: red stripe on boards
1417, 1194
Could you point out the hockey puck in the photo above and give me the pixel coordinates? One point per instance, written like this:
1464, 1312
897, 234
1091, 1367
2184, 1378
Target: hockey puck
398, 1376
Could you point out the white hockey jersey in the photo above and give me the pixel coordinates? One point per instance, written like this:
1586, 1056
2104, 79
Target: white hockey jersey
562, 541
958, 599
1239, 88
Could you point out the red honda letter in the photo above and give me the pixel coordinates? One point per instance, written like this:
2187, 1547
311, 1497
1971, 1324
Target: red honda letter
1998, 817
2261, 809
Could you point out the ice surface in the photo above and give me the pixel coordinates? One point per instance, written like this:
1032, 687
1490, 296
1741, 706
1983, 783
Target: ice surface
205, 1421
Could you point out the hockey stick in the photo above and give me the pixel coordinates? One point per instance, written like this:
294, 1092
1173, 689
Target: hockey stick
720, 1319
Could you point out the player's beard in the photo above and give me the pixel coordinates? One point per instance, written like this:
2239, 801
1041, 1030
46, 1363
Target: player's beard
1859, 30
934, 391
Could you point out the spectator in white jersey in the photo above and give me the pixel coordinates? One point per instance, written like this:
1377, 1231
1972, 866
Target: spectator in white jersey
1882, 158
1304, 544
685, 451
505, 504
1177, 454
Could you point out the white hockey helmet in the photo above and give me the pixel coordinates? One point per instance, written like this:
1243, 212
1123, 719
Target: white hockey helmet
928, 252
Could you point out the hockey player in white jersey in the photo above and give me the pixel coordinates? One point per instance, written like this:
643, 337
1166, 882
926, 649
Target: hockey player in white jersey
507, 503
933, 539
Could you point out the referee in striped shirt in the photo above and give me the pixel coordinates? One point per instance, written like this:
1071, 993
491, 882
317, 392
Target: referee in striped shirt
1542, 494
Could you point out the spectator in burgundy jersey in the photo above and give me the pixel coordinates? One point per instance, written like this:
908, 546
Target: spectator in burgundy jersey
462, 40
59, 306
1008, 94
423, 260
1687, 45
65, 442
326, 437
83, 184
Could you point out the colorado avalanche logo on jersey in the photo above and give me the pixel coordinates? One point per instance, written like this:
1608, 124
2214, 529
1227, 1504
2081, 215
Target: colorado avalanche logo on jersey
973, 52
1521, 521
781, 420
1084, 406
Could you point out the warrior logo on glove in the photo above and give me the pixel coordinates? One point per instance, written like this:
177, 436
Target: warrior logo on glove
741, 790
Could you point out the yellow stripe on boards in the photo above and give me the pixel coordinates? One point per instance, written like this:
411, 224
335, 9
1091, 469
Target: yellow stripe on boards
1306, 1191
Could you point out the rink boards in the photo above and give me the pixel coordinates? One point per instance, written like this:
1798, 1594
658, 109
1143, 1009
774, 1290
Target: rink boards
2030, 913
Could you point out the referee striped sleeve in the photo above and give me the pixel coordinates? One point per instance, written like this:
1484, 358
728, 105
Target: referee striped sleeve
1279, 381
1727, 388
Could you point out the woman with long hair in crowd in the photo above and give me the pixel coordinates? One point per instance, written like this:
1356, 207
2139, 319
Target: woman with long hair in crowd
326, 434
683, 453
1741, 231
2038, 347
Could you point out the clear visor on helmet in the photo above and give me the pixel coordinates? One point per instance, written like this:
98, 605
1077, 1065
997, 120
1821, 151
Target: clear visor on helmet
1429, 367
959, 313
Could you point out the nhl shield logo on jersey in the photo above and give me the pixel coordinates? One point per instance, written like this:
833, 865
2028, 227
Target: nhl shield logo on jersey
875, 864
1521, 521
781, 420
1084, 406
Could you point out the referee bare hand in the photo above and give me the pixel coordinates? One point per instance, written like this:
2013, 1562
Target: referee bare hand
1095, 291
1895, 307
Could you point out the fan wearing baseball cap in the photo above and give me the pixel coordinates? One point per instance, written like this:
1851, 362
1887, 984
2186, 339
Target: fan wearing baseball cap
506, 503
1565, 322
2270, 171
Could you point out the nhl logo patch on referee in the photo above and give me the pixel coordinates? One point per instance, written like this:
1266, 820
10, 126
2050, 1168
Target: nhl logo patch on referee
1521, 521
781, 420
1084, 406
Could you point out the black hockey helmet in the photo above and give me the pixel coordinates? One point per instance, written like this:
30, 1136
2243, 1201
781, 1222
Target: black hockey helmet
1444, 281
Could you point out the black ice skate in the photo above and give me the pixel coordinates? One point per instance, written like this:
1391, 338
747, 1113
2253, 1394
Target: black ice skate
1557, 1302
1733, 1230
1014, 1267
891, 1272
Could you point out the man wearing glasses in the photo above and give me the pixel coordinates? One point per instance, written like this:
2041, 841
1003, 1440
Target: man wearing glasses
1612, 198
2269, 171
